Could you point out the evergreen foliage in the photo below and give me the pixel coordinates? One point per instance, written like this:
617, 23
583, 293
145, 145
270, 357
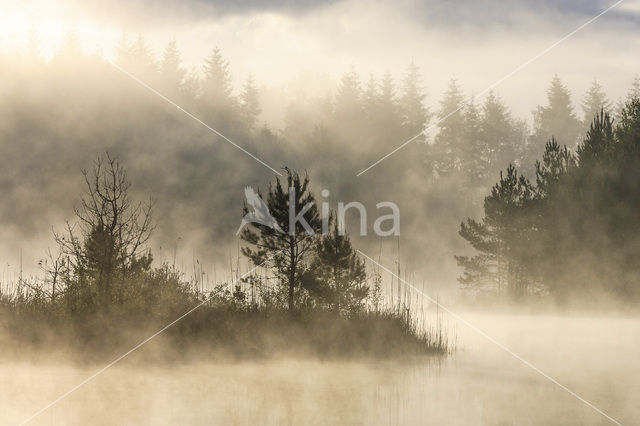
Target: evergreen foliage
576, 229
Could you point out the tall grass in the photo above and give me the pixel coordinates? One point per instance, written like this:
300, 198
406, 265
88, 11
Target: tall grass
239, 318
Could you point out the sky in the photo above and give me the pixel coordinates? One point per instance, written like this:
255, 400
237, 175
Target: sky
477, 42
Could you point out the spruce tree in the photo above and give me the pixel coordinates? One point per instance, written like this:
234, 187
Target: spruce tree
633, 93
557, 120
250, 103
499, 132
339, 273
577, 229
370, 100
388, 121
171, 70
217, 79
449, 145
140, 60
348, 100
415, 114
595, 101
474, 149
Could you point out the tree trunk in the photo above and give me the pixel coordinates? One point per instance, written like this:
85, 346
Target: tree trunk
292, 272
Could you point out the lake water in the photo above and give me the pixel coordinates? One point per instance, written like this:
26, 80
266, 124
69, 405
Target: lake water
480, 384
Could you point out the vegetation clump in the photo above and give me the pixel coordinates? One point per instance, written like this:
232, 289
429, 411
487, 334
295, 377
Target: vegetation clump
575, 230
101, 292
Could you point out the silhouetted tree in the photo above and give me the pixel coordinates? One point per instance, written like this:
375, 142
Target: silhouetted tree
595, 101
501, 238
370, 99
217, 80
474, 150
385, 126
577, 228
557, 120
449, 144
348, 101
339, 275
556, 162
171, 70
500, 132
106, 246
415, 115
250, 103
387, 101
287, 247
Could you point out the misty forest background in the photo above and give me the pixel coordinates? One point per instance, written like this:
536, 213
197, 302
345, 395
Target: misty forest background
553, 206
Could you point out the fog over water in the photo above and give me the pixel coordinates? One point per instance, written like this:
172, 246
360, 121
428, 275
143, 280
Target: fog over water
480, 384
533, 242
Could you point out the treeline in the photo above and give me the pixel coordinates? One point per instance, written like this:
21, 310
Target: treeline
575, 230
63, 112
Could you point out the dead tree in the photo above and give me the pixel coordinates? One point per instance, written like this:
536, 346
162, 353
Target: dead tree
108, 238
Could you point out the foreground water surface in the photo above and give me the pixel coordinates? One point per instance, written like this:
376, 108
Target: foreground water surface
598, 358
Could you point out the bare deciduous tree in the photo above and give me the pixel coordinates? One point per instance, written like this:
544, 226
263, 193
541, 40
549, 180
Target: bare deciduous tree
107, 241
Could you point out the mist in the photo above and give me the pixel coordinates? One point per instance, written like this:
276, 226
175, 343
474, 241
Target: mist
138, 139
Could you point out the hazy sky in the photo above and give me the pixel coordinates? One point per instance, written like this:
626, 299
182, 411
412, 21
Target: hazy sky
476, 41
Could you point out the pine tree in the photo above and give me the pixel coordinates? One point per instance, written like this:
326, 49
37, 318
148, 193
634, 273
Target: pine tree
388, 120
595, 101
287, 250
217, 79
415, 115
553, 215
499, 132
597, 145
348, 120
474, 149
339, 273
370, 99
145, 63
137, 58
171, 70
192, 85
348, 101
449, 146
123, 52
576, 230
556, 163
557, 120
250, 103
501, 238
633, 93
387, 100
